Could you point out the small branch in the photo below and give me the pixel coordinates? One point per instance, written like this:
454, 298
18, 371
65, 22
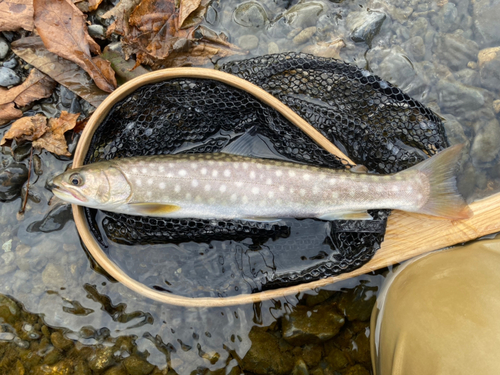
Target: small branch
28, 183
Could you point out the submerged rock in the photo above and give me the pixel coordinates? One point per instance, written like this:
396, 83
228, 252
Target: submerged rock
303, 14
485, 18
55, 220
248, 42
485, 150
455, 51
458, 99
365, 25
8, 77
357, 303
12, 179
250, 14
309, 325
489, 68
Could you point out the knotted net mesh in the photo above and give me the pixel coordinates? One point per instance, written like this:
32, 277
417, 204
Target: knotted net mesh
373, 122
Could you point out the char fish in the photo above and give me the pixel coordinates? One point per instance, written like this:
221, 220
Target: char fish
226, 186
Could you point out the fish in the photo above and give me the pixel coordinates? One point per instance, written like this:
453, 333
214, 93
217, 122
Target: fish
227, 186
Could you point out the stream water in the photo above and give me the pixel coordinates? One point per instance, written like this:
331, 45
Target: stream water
443, 53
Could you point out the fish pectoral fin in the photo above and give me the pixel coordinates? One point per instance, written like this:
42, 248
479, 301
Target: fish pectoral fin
359, 168
148, 208
346, 215
260, 219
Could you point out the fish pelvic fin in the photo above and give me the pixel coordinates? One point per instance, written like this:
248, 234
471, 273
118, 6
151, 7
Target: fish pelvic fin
444, 199
154, 209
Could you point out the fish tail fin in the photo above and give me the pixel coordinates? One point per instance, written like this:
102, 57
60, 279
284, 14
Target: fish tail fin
444, 199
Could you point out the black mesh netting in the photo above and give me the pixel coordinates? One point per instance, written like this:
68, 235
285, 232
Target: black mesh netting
375, 123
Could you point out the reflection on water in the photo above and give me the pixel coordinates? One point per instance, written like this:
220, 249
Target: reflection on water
443, 53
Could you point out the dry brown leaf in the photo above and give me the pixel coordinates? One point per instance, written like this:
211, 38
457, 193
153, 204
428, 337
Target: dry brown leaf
93, 4
16, 14
8, 112
36, 86
53, 139
26, 129
185, 9
61, 25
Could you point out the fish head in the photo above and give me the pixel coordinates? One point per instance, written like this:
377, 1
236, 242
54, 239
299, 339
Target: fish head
99, 185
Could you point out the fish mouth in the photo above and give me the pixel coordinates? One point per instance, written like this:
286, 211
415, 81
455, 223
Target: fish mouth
64, 194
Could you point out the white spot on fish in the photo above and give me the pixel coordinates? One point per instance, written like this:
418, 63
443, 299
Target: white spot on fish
409, 190
255, 190
211, 200
144, 171
233, 198
335, 195
379, 189
245, 165
419, 196
244, 199
259, 166
215, 173
236, 165
161, 168
252, 174
177, 188
365, 189
194, 183
269, 181
302, 192
279, 173
315, 189
188, 196
239, 184
162, 185
194, 165
227, 173
182, 172
197, 199
150, 181
291, 173
332, 181
207, 187
203, 171
222, 188
292, 190
395, 188
279, 201
270, 194
149, 194
138, 182
262, 204
281, 188
352, 193
135, 171
307, 177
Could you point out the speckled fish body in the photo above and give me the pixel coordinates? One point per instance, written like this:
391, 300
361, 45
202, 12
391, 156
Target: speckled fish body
225, 186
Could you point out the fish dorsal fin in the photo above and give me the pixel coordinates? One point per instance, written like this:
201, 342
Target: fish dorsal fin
157, 209
346, 215
253, 145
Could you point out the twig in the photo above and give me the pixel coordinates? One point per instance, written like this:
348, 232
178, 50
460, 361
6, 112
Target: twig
28, 183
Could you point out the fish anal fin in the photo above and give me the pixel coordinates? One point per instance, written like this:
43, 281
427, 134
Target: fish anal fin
156, 209
359, 169
346, 215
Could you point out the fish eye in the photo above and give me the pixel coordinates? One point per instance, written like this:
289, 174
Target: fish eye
76, 179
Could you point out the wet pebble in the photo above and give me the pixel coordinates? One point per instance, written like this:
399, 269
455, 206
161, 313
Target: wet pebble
7, 246
53, 276
55, 220
484, 150
415, 47
303, 14
66, 96
458, 99
272, 47
12, 179
455, 51
8, 77
310, 325
485, 18
489, 68
97, 31
4, 48
37, 165
304, 35
137, 366
365, 25
248, 42
250, 14
8, 257
11, 64
357, 303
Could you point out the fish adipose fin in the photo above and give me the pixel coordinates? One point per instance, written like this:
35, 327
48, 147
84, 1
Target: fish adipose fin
444, 199
154, 208
346, 215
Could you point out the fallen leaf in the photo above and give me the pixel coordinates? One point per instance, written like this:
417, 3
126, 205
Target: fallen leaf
154, 36
94, 4
125, 69
26, 129
185, 9
87, 5
36, 86
53, 139
67, 73
9, 112
61, 25
16, 14
121, 13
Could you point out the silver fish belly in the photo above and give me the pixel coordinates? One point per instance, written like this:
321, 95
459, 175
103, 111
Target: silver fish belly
225, 186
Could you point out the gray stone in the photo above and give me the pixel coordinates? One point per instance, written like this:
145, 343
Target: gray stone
415, 48
22, 249
97, 31
458, 99
365, 25
485, 150
53, 275
303, 14
248, 42
12, 178
11, 64
273, 48
250, 14
454, 131
4, 48
304, 35
447, 18
8, 258
310, 325
489, 68
455, 51
419, 27
8, 77
468, 77
485, 19
357, 303
7, 246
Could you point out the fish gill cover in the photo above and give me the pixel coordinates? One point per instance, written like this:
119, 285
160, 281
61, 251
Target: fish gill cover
376, 124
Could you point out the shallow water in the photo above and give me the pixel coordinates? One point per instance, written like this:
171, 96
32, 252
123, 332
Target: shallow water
428, 49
